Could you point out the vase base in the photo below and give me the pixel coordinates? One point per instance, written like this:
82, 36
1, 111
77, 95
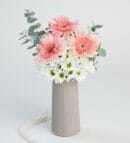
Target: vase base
66, 134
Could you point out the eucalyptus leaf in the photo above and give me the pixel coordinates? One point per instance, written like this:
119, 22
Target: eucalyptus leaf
34, 54
30, 47
26, 41
32, 28
22, 37
31, 19
93, 28
29, 13
22, 33
102, 52
42, 32
30, 32
98, 26
36, 38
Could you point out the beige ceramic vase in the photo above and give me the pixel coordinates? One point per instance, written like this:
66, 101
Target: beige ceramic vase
65, 109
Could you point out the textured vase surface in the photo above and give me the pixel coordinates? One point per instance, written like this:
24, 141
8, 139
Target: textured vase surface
65, 109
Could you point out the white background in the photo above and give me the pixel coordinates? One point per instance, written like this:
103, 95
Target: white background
104, 97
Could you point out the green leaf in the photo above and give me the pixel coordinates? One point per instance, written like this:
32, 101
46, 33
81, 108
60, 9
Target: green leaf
36, 38
30, 31
95, 27
102, 52
32, 28
30, 47
98, 26
42, 32
22, 33
22, 37
29, 13
34, 54
26, 41
31, 19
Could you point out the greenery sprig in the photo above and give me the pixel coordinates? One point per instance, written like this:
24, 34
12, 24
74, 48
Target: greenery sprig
95, 27
101, 50
32, 35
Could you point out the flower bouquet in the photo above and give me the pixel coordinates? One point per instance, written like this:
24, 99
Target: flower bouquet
65, 53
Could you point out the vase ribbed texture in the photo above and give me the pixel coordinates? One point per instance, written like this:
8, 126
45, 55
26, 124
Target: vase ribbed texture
65, 108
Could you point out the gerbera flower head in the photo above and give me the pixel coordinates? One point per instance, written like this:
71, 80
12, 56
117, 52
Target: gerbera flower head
62, 26
49, 49
85, 45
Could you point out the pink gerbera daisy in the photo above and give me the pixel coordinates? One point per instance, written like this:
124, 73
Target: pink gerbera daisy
85, 45
49, 49
62, 26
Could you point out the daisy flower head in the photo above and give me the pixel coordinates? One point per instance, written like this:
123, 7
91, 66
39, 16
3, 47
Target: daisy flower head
49, 49
62, 26
84, 44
